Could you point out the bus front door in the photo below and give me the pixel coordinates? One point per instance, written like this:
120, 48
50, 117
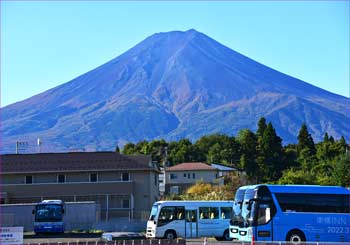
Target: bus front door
263, 231
191, 230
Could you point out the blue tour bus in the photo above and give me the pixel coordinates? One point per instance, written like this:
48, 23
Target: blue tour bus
49, 216
295, 213
236, 215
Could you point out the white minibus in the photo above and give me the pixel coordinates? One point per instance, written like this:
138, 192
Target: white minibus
190, 219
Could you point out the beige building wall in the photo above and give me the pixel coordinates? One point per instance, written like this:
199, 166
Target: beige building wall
12, 179
45, 178
78, 177
146, 192
111, 176
206, 176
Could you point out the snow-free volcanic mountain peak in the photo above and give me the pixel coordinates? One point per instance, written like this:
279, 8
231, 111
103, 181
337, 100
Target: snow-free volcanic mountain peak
172, 85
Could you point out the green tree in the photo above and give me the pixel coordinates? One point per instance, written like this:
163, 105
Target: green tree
248, 142
305, 140
219, 148
270, 155
129, 149
341, 174
297, 176
261, 127
157, 149
184, 151
214, 153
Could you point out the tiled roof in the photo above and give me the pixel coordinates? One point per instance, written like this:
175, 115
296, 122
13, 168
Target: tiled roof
190, 166
73, 161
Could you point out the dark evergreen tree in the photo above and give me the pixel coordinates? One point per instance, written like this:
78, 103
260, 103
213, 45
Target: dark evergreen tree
325, 138
270, 155
305, 140
342, 145
261, 127
248, 142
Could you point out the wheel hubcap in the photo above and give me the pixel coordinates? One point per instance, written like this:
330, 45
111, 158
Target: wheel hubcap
295, 239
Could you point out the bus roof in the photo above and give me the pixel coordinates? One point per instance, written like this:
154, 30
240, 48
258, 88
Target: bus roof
194, 202
59, 202
307, 189
244, 187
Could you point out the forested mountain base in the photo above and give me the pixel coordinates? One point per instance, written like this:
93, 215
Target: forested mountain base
261, 155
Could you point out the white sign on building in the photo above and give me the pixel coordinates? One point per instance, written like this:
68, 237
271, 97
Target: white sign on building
11, 235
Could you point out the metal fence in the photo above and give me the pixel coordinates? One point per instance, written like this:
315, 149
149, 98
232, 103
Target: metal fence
180, 242
119, 242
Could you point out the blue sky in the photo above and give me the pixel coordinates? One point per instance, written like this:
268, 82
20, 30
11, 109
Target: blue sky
44, 44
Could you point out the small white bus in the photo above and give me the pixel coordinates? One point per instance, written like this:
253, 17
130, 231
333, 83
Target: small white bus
190, 219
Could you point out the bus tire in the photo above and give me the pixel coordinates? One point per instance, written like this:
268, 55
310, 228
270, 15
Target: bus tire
295, 237
170, 235
218, 238
226, 236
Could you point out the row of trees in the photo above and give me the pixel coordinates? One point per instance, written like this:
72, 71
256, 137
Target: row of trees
261, 154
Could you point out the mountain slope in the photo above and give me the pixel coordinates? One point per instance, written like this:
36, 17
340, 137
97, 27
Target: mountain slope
172, 85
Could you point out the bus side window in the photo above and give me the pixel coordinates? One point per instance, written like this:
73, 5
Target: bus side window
209, 213
180, 211
226, 212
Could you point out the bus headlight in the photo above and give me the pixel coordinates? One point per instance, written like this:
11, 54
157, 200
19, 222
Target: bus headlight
234, 230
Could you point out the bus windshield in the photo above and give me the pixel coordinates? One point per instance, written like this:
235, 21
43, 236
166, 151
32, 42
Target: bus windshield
236, 216
48, 213
153, 212
249, 207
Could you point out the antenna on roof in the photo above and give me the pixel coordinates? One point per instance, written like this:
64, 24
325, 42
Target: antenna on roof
21, 146
39, 145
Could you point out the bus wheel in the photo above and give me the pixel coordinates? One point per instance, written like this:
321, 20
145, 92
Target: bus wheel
226, 236
295, 237
218, 238
170, 235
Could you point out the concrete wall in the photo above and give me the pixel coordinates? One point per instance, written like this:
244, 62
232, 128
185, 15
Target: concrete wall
78, 215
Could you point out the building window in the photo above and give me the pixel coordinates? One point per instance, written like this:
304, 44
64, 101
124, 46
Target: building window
185, 175
193, 175
61, 178
173, 176
125, 177
126, 203
174, 189
189, 175
29, 179
93, 177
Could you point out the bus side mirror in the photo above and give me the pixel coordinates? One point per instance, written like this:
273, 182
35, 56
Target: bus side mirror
155, 222
268, 214
62, 210
33, 211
